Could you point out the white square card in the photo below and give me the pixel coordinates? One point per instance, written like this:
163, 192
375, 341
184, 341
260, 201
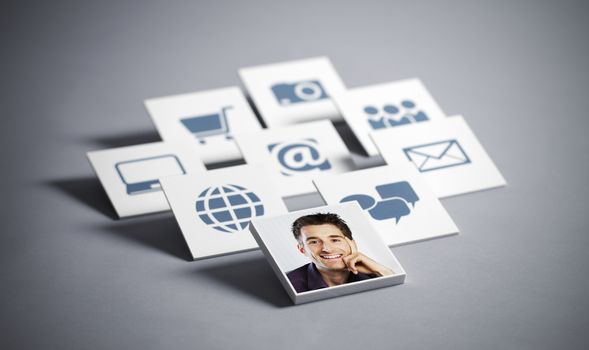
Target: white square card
130, 175
213, 209
383, 106
293, 156
401, 207
208, 118
447, 153
326, 252
294, 92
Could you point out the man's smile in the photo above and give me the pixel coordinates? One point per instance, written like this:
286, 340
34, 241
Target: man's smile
331, 257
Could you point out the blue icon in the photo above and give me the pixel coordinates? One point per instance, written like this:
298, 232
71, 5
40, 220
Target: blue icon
395, 204
142, 175
437, 155
228, 208
300, 156
207, 125
392, 116
302, 91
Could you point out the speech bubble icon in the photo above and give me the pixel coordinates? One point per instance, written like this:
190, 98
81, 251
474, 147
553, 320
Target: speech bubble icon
365, 201
400, 189
390, 208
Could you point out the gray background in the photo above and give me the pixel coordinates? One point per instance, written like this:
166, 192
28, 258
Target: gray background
73, 78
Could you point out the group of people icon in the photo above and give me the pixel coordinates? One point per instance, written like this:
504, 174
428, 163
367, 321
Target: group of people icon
391, 115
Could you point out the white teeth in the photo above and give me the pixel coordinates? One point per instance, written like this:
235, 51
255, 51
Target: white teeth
331, 256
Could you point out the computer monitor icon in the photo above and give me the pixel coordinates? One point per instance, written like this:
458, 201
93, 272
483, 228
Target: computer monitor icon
142, 175
207, 125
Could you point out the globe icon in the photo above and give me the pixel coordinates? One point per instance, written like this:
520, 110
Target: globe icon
228, 208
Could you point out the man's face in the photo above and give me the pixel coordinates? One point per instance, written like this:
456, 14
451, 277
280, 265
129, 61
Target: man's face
326, 245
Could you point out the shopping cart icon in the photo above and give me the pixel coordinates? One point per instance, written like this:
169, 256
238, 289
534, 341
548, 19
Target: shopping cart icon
204, 126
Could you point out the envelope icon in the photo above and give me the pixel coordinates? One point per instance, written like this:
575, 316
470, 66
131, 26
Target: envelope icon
437, 155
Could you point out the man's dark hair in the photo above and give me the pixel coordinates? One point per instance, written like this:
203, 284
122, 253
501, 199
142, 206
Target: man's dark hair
320, 219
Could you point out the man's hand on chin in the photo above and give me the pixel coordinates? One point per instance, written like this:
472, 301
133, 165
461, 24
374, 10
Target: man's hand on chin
358, 262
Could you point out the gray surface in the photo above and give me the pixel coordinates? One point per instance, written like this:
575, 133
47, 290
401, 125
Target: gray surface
73, 77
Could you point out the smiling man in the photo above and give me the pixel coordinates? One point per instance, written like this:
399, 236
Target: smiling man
327, 241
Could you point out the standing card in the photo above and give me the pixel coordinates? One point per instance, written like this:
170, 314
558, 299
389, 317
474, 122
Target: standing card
446, 153
399, 204
294, 92
294, 155
326, 252
384, 106
208, 118
213, 209
131, 175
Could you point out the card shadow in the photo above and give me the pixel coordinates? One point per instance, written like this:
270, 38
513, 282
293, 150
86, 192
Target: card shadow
304, 201
131, 139
252, 276
349, 138
86, 190
225, 164
250, 101
157, 231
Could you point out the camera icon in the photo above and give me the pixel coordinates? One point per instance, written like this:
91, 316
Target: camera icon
302, 91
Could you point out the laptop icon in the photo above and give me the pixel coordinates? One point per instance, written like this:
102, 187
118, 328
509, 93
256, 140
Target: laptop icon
142, 175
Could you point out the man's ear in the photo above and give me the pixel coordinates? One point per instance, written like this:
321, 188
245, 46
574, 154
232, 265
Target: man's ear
301, 248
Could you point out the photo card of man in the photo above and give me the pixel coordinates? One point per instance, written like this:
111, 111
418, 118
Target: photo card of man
131, 175
294, 155
326, 252
397, 201
446, 152
294, 92
384, 106
213, 209
207, 118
